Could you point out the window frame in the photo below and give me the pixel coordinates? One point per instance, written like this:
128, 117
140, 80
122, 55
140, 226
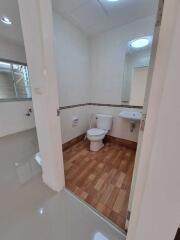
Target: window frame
16, 99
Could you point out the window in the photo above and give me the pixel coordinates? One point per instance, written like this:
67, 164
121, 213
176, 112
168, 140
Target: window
14, 81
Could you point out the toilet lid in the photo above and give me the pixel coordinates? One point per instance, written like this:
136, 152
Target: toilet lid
96, 131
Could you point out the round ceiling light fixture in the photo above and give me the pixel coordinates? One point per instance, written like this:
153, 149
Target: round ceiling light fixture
140, 43
6, 20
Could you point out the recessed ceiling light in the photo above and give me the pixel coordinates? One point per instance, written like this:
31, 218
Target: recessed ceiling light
6, 20
41, 211
140, 43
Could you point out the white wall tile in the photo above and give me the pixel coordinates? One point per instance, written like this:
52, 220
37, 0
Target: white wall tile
92, 70
13, 114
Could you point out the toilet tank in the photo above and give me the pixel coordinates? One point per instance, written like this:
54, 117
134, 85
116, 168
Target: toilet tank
104, 121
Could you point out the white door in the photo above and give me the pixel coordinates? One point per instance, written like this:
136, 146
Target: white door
145, 108
138, 86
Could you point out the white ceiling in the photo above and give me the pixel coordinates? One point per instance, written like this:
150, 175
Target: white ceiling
11, 32
94, 16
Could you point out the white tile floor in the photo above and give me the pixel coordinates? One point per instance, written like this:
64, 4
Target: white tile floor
30, 210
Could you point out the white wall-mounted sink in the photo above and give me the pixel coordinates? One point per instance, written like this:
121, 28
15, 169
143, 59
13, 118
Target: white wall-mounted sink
131, 115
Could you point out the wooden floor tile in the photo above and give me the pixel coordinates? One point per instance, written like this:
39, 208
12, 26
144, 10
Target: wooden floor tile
102, 178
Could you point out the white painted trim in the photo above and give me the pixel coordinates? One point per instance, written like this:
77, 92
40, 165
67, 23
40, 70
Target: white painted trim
146, 100
37, 49
139, 213
36, 19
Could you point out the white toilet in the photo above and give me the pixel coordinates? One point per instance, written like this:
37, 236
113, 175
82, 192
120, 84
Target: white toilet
96, 135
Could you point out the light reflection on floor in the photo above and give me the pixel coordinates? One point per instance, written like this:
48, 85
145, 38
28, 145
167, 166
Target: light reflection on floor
30, 210
100, 236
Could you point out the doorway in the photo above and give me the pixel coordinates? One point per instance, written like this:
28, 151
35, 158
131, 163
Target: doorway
99, 75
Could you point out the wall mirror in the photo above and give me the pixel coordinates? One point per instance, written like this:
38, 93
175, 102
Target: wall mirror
136, 68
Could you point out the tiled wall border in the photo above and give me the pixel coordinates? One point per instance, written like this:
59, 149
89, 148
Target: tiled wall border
99, 104
73, 106
14, 100
114, 105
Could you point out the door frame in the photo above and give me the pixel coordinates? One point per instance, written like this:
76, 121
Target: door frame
37, 25
36, 17
162, 47
146, 102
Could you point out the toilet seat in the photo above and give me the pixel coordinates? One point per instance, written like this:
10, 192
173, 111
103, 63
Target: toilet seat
96, 132
96, 135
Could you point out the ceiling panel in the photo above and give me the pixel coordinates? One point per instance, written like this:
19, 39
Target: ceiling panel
94, 16
130, 6
116, 6
89, 14
12, 32
67, 6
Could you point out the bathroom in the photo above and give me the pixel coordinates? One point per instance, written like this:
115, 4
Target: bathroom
88, 89
103, 53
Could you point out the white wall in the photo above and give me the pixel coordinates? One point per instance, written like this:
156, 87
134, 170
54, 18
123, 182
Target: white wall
91, 70
12, 114
108, 52
13, 117
11, 51
41, 62
68, 130
72, 60
121, 127
72, 56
